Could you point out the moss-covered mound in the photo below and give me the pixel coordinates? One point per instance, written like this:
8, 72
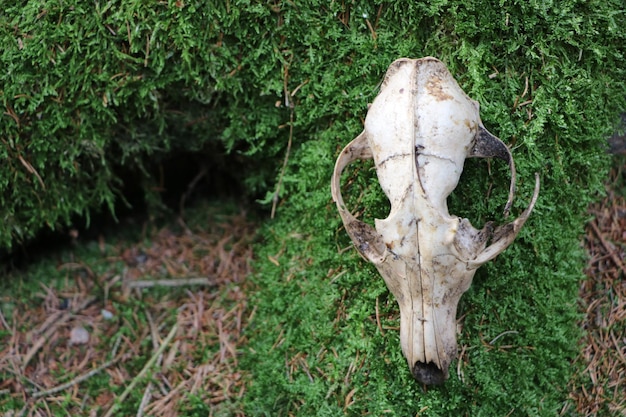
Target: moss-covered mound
93, 91
549, 78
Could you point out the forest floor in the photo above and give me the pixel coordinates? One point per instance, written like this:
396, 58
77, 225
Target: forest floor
601, 385
121, 327
132, 327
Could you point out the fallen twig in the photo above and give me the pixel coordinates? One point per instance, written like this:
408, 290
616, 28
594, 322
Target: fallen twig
149, 283
502, 334
49, 331
284, 167
380, 327
289, 104
5, 324
76, 380
611, 251
143, 372
147, 395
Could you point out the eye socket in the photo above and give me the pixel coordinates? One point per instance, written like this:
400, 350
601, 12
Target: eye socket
482, 191
362, 193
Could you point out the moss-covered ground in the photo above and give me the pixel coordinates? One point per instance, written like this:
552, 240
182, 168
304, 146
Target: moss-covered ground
284, 81
179, 324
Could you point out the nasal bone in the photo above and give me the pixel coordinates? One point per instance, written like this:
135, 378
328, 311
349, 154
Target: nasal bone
428, 373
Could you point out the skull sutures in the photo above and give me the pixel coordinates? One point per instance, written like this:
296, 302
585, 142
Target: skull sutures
419, 130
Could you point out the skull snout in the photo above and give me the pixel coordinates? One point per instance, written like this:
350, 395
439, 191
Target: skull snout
428, 373
428, 339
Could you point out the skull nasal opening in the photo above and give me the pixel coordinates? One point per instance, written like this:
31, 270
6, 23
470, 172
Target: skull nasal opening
428, 373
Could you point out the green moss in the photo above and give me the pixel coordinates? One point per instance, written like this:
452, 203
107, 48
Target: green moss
548, 77
89, 88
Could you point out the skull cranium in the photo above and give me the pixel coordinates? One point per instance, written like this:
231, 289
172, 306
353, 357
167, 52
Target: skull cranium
419, 130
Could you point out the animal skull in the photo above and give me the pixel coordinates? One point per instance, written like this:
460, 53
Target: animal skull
419, 130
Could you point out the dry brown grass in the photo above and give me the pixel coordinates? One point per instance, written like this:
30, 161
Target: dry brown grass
188, 346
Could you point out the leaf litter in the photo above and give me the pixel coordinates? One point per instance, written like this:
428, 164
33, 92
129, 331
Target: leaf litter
161, 322
599, 388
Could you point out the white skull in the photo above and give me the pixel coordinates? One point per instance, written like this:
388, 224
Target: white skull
419, 131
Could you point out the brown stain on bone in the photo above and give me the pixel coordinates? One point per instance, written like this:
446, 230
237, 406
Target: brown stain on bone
470, 124
435, 89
